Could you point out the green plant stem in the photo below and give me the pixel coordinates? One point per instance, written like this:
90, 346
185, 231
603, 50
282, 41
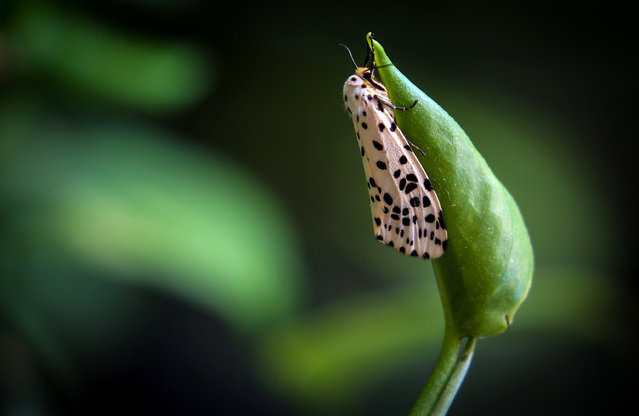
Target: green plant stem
456, 379
449, 373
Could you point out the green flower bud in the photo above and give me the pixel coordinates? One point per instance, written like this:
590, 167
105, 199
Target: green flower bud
487, 269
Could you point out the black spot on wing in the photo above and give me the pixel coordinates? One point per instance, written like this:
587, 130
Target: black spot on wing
378, 145
381, 165
403, 160
427, 185
410, 187
440, 218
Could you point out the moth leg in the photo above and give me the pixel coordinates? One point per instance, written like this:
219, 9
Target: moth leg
388, 104
405, 108
394, 107
416, 147
370, 54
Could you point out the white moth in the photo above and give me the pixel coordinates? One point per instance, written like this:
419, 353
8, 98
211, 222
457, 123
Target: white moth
405, 209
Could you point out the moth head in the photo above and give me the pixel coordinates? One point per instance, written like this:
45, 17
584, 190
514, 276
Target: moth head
364, 73
367, 75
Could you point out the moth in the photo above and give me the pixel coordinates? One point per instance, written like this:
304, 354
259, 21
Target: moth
406, 212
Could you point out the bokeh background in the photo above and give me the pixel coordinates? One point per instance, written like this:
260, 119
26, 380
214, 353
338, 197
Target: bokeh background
185, 227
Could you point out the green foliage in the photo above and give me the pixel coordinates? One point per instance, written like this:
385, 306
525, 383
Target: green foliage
487, 269
91, 59
325, 357
126, 199
117, 182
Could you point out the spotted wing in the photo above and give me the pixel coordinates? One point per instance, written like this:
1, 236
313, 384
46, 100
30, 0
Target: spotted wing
406, 211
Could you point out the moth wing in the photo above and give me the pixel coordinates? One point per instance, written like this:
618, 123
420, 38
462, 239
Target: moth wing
405, 209
414, 222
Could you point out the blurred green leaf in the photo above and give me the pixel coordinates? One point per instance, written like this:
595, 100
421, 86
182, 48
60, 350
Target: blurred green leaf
332, 358
126, 199
337, 353
86, 57
534, 154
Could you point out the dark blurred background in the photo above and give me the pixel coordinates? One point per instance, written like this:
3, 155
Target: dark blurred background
185, 227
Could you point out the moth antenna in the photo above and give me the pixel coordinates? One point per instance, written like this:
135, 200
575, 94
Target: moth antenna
350, 54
